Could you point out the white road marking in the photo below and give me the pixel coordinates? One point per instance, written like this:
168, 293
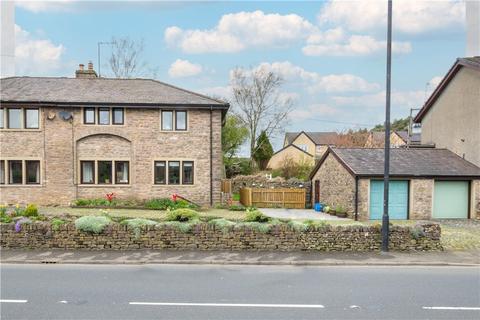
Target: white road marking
244, 305
451, 308
13, 301
63, 301
354, 307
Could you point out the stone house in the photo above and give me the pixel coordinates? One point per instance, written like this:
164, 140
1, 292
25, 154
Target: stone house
450, 118
67, 138
398, 139
425, 183
302, 147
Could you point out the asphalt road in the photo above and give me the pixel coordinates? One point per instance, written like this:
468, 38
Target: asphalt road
238, 292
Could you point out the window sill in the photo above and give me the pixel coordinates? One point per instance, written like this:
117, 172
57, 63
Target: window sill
104, 185
174, 185
21, 185
174, 131
20, 130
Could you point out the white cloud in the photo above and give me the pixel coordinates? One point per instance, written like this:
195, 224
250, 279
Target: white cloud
43, 6
400, 100
35, 56
238, 31
315, 82
352, 46
409, 16
222, 92
434, 82
184, 68
312, 111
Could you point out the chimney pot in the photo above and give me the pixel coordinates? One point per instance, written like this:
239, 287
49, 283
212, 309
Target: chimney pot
80, 66
90, 65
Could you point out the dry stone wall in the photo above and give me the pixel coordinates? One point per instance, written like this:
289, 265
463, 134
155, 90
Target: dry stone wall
208, 237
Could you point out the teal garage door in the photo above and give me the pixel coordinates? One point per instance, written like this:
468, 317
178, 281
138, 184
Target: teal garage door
450, 200
398, 199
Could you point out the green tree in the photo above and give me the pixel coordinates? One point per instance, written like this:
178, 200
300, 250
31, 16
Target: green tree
234, 134
396, 125
263, 150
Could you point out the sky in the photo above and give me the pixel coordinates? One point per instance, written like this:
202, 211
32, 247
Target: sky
331, 54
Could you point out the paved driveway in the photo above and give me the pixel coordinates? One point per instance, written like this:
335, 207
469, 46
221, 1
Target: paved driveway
311, 214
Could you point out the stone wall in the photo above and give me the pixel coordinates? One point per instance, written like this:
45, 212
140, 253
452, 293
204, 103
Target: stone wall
60, 145
207, 237
337, 185
421, 199
476, 199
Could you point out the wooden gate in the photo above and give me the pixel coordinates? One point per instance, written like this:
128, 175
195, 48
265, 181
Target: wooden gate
273, 198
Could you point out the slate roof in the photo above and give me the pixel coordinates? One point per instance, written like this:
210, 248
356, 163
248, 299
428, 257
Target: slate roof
415, 138
468, 62
403, 162
135, 92
319, 138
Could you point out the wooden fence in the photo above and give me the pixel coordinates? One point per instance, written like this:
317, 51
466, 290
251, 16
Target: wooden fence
226, 186
276, 198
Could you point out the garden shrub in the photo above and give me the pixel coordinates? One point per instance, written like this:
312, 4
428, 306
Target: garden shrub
137, 224
256, 216
417, 232
166, 203
182, 215
184, 227
19, 223
30, 211
298, 225
4, 217
56, 223
93, 224
257, 226
237, 208
222, 224
236, 197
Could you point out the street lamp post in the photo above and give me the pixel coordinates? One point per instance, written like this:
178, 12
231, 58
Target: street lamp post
98, 54
386, 173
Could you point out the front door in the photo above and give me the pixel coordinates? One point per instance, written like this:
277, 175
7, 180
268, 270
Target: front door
398, 199
317, 191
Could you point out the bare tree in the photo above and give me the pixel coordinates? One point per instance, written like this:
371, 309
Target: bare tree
258, 103
126, 59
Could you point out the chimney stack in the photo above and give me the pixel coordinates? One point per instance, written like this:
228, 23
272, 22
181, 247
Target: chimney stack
89, 73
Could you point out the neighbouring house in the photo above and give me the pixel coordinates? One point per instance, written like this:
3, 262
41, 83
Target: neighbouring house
425, 183
450, 118
398, 139
67, 138
302, 147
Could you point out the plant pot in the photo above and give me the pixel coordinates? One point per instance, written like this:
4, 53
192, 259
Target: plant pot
341, 214
331, 212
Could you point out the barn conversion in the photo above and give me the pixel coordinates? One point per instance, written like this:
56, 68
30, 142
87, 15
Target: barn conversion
425, 183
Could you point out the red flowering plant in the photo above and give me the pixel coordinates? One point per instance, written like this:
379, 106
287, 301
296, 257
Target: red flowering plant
174, 197
110, 196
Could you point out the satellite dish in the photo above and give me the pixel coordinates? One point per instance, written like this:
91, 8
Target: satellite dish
65, 115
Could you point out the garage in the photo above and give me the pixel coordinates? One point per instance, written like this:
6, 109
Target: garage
398, 199
450, 200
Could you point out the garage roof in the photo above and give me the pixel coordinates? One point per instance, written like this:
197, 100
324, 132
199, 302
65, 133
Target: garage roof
403, 162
